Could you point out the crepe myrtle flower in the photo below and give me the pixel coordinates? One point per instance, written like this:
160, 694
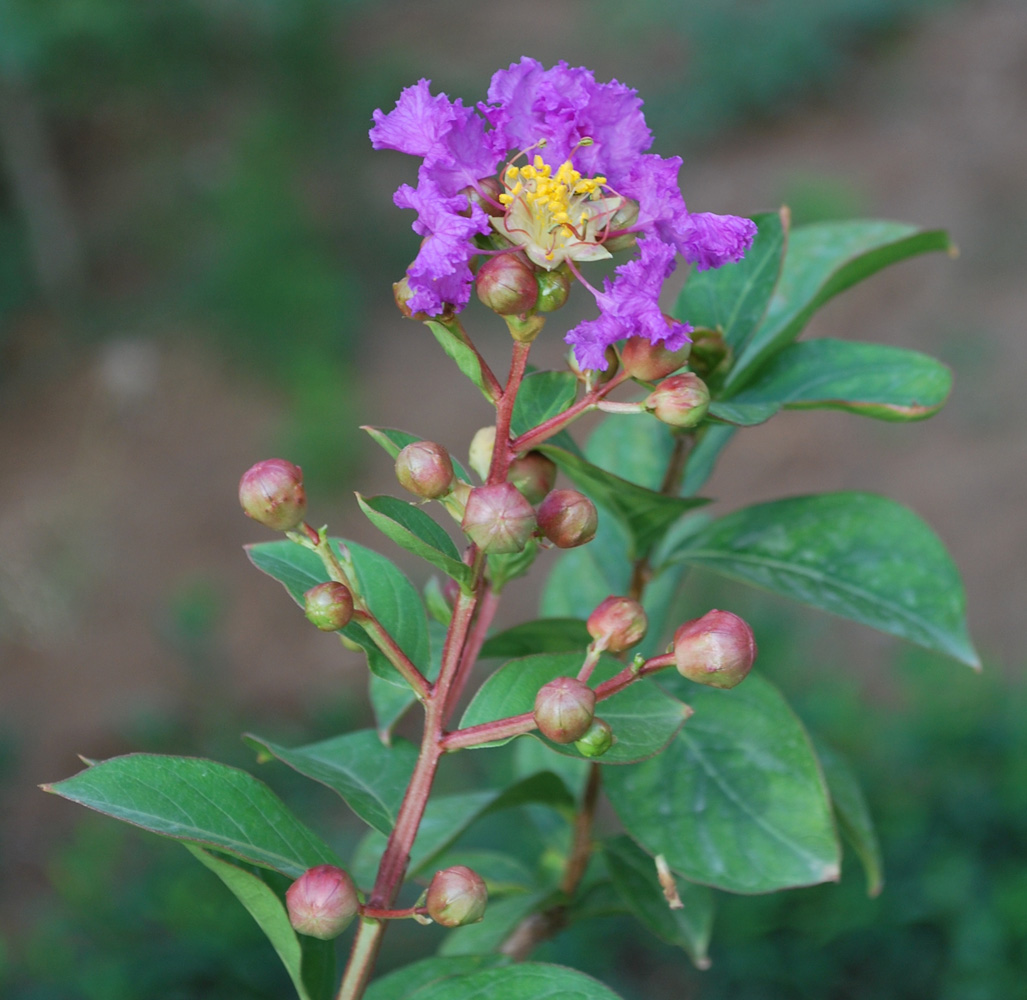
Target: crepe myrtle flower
553, 165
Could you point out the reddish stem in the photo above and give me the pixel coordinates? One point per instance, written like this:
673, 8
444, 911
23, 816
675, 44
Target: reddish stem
503, 451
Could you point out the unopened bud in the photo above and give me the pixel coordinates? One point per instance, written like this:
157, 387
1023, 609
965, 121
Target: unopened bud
329, 606
425, 469
596, 741
604, 374
485, 194
681, 400
564, 709
402, 293
711, 354
554, 288
456, 896
480, 453
272, 493
620, 621
717, 649
649, 362
321, 902
506, 284
498, 518
568, 518
533, 474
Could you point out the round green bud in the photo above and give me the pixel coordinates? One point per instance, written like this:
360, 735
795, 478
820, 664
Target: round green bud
329, 606
533, 474
681, 400
554, 288
597, 740
564, 709
648, 362
498, 518
425, 469
456, 896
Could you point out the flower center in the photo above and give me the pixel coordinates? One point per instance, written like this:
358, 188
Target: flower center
555, 216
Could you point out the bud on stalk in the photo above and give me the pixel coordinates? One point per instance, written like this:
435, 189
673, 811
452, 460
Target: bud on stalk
717, 649
649, 362
329, 606
456, 896
568, 518
498, 519
681, 400
596, 741
321, 902
554, 288
533, 474
564, 709
506, 284
425, 469
272, 493
620, 621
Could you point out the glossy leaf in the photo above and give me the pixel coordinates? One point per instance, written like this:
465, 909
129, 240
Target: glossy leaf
266, 909
712, 440
734, 297
644, 718
873, 380
501, 918
542, 395
737, 801
545, 635
392, 598
370, 777
824, 259
639, 448
743, 414
524, 981
634, 874
644, 514
393, 441
463, 354
858, 555
407, 980
202, 802
414, 530
853, 815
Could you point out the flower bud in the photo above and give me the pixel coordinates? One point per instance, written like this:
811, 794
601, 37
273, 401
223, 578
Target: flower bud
402, 293
596, 741
456, 896
568, 518
485, 194
564, 709
621, 621
605, 374
425, 469
498, 518
321, 902
554, 288
506, 284
533, 474
711, 355
717, 649
479, 455
681, 400
329, 606
649, 362
272, 493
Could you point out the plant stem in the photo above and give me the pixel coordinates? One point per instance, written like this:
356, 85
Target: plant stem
391, 651
502, 451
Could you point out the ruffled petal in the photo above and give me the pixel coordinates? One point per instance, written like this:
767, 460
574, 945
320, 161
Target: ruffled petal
709, 240
418, 122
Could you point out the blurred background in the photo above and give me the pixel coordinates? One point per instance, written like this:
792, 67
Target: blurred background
196, 254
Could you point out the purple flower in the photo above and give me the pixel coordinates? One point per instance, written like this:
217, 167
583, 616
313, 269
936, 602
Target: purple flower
580, 177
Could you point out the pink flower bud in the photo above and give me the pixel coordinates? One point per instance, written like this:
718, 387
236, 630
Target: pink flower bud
717, 649
425, 469
596, 741
272, 493
568, 518
533, 474
498, 518
456, 896
329, 606
621, 621
321, 902
554, 288
564, 709
649, 362
402, 293
506, 284
681, 400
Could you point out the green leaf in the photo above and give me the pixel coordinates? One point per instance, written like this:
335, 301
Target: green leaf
639, 449
824, 259
710, 443
542, 395
644, 514
370, 777
203, 802
634, 874
737, 801
392, 598
265, 907
644, 718
850, 809
405, 981
501, 918
734, 297
463, 354
412, 529
857, 555
526, 981
394, 441
545, 635
873, 380
743, 414
389, 701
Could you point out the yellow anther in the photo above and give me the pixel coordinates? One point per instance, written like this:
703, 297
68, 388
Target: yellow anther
505, 199
517, 188
538, 162
511, 173
528, 172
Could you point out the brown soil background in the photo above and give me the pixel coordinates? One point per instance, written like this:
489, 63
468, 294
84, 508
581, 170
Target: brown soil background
119, 474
